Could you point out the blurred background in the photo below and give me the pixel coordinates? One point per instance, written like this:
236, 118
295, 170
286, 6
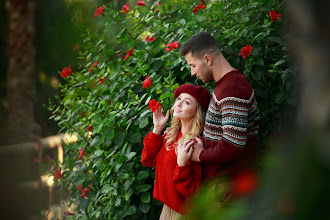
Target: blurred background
37, 40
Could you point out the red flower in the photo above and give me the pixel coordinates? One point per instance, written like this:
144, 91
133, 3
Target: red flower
150, 39
244, 182
101, 81
153, 105
58, 174
94, 66
129, 53
84, 192
48, 159
74, 47
201, 6
36, 160
82, 153
274, 16
246, 51
80, 188
147, 82
126, 8
141, 3
98, 11
172, 45
89, 128
66, 72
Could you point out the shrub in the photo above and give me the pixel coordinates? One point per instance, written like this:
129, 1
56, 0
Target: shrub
105, 100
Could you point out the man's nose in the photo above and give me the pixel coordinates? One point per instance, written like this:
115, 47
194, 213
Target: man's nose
193, 72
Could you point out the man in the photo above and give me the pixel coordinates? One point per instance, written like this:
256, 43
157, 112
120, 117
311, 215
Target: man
231, 123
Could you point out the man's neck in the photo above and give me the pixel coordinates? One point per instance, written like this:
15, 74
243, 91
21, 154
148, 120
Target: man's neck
221, 68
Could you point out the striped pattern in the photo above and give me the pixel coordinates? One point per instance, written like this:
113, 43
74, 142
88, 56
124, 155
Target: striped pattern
233, 119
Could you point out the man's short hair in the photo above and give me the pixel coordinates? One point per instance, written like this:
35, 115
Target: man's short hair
200, 44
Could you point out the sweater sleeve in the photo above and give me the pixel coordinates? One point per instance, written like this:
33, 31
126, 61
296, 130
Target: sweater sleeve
152, 144
188, 178
234, 112
220, 152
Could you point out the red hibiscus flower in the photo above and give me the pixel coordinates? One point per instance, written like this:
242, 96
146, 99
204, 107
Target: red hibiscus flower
82, 153
75, 47
274, 16
201, 6
84, 192
98, 11
94, 66
147, 82
153, 105
66, 72
150, 39
172, 45
141, 3
48, 159
126, 8
80, 188
58, 174
246, 51
129, 53
101, 81
244, 182
89, 128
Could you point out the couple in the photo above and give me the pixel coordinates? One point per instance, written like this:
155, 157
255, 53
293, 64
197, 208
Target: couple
228, 143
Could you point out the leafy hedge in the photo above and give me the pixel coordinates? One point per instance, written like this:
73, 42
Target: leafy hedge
124, 63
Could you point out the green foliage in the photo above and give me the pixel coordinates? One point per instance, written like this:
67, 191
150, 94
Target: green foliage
110, 97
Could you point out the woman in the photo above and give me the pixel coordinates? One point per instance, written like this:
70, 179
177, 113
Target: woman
176, 176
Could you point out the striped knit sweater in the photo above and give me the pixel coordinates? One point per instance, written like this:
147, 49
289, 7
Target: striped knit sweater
231, 126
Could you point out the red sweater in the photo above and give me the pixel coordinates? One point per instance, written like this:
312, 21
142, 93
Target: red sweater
173, 184
231, 127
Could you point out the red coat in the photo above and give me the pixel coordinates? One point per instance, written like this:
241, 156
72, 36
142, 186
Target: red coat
173, 184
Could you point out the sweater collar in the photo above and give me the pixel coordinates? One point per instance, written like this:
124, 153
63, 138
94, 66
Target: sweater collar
225, 76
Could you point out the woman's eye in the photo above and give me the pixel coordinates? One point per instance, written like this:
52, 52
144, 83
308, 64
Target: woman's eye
187, 103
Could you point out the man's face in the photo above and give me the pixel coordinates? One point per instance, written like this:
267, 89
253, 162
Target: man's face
199, 68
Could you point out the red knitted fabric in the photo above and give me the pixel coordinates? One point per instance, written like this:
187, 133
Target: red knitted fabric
199, 93
173, 184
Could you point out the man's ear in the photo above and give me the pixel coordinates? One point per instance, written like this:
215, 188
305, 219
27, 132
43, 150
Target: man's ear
208, 59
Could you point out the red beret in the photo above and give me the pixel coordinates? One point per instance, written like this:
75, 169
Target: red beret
201, 94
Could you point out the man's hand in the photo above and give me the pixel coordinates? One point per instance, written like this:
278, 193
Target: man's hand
198, 147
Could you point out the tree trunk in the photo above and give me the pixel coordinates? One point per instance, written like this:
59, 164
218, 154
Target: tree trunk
20, 50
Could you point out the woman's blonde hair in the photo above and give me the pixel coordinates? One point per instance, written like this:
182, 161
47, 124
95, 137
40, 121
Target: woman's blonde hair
196, 127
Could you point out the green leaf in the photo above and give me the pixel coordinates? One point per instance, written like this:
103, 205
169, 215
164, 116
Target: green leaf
128, 194
145, 197
143, 187
95, 140
135, 138
131, 155
259, 61
143, 123
279, 62
142, 175
98, 153
276, 39
144, 207
165, 95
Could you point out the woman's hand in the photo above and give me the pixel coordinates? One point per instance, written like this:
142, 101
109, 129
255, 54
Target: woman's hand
159, 120
184, 152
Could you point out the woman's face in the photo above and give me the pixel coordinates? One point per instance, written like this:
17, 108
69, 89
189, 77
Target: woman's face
185, 107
